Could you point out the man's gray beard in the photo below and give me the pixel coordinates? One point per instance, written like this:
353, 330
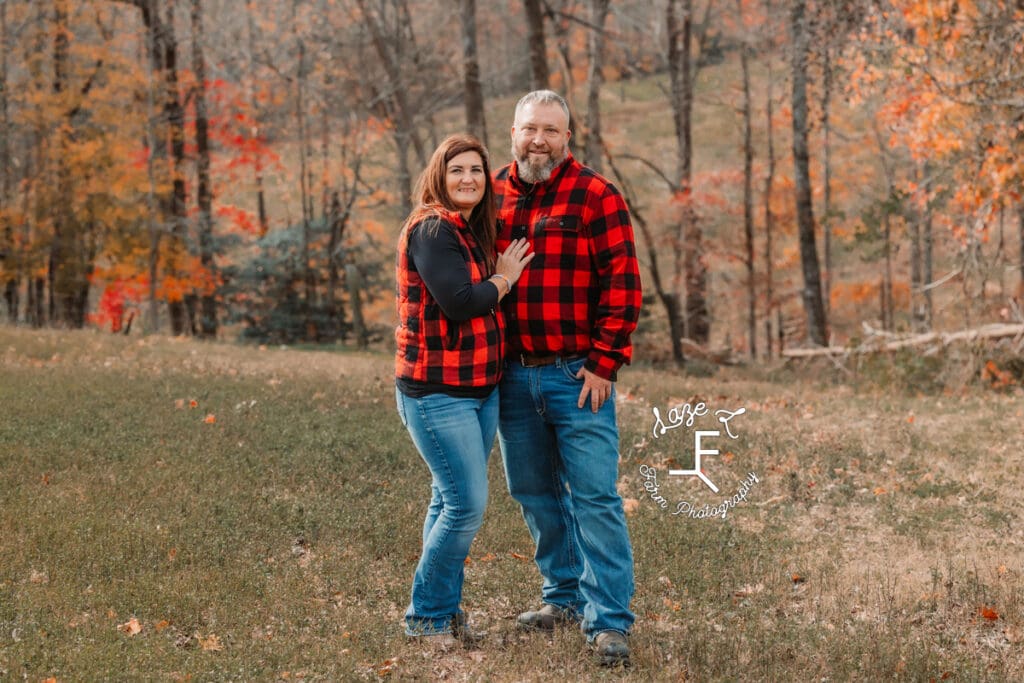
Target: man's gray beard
529, 173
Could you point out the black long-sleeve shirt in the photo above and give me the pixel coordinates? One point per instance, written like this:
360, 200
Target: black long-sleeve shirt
440, 262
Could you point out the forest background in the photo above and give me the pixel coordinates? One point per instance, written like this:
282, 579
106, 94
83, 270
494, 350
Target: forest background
799, 173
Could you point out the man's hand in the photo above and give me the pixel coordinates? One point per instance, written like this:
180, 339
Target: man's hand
599, 388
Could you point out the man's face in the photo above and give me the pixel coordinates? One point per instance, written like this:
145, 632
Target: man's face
540, 138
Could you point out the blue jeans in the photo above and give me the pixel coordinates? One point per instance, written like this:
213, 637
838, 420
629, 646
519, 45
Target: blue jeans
454, 437
561, 464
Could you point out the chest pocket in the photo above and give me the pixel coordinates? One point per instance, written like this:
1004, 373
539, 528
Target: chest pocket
557, 224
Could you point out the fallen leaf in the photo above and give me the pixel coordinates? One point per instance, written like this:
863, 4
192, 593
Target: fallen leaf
171, 554
630, 505
468, 561
1001, 569
519, 557
988, 613
387, 667
210, 643
797, 578
132, 627
161, 625
489, 557
879, 491
179, 403
210, 418
193, 403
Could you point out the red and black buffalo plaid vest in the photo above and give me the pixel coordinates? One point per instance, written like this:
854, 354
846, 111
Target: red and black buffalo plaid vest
431, 348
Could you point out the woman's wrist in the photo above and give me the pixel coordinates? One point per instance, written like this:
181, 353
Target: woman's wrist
508, 283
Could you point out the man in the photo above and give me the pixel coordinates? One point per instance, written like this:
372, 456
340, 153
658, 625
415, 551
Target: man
569, 324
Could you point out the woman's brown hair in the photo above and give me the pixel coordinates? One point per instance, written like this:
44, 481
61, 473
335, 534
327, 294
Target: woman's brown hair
431, 192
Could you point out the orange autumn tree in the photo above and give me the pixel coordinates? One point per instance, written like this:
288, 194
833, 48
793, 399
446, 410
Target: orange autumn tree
71, 115
949, 74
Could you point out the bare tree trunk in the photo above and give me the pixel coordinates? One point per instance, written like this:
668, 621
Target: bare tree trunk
304, 192
817, 327
58, 271
261, 203
208, 318
1020, 238
476, 121
769, 218
540, 77
153, 211
9, 256
928, 239
748, 194
164, 57
335, 314
690, 261
595, 78
917, 272
888, 321
826, 222
1000, 255
890, 205
175, 114
354, 280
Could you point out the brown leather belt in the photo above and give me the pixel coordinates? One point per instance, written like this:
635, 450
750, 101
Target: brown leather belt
528, 360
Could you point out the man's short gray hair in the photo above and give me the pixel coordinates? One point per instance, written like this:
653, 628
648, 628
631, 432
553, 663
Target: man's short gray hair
542, 97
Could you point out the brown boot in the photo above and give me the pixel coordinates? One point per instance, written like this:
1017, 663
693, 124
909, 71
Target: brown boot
466, 634
545, 619
612, 648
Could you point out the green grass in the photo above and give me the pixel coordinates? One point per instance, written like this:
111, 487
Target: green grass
278, 541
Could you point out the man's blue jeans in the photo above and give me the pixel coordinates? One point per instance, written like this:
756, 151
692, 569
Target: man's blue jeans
561, 463
454, 436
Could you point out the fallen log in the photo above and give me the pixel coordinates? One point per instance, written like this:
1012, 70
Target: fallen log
892, 343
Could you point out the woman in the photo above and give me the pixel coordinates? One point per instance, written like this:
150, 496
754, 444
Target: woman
448, 363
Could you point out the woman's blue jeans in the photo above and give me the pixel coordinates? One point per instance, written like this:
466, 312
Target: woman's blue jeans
454, 437
561, 463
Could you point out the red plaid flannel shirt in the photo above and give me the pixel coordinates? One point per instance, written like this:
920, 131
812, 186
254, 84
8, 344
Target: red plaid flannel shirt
581, 292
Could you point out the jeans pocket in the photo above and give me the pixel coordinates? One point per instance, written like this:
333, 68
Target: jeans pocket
572, 368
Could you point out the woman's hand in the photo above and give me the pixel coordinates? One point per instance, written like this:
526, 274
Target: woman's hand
513, 260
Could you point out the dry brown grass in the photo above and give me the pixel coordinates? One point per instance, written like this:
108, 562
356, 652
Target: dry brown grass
882, 542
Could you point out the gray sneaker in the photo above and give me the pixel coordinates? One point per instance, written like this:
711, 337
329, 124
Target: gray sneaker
545, 619
612, 648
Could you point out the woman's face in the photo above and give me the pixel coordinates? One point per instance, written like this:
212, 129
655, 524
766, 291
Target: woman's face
465, 180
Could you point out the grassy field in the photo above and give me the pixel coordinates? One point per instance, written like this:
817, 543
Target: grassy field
172, 510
